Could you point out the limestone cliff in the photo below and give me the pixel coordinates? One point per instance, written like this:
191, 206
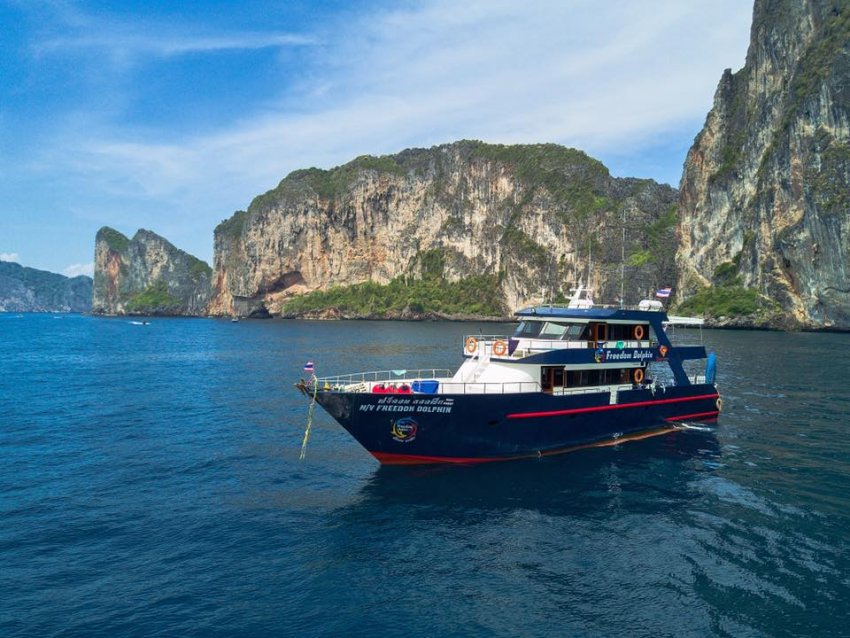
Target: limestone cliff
532, 217
765, 194
147, 275
25, 289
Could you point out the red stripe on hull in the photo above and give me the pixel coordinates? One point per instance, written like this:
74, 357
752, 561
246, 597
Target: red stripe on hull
696, 415
600, 408
388, 458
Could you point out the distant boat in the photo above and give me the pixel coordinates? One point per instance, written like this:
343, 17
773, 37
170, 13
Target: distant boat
234, 319
140, 323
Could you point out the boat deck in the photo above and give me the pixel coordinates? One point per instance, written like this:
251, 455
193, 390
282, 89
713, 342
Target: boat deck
434, 381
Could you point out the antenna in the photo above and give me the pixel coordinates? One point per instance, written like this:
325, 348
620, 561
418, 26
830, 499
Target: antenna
623, 263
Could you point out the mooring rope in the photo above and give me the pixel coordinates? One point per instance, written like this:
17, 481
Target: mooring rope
309, 418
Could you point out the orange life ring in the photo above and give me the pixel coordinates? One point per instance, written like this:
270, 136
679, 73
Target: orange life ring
637, 375
638, 332
471, 344
500, 348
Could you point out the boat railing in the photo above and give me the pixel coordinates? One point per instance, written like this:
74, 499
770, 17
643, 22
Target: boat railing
476, 345
404, 382
502, 387
375, 376
594, 389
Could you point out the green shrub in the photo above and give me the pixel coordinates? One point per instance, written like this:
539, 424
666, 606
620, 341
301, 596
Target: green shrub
232, 227
154, 298
115, 240
471, 296
728, 301
198, 269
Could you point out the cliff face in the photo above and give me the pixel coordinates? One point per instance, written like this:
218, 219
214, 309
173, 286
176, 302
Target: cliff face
30, 290
765, 195
147, 275
535, 216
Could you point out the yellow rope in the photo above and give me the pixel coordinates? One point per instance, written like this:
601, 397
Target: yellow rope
309, 418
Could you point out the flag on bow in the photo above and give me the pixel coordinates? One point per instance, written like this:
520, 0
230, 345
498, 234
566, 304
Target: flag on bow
664, 293
308, 367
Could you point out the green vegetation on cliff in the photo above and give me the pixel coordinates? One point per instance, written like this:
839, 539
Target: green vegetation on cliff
724, 301
817, 63
828, 177
335, 182
728, 297
327, 184
198, 269
572, 178
115, 240
154, 299
232, 227
657, 240
471, 296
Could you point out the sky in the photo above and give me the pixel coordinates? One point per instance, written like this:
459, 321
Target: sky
170, 116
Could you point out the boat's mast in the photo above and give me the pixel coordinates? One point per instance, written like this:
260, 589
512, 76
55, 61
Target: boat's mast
623, 263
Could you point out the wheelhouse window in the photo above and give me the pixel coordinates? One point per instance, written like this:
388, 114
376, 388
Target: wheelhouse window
528, 329
575, 332
553, 330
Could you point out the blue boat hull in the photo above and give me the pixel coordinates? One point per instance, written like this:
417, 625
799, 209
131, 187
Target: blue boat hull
477, 428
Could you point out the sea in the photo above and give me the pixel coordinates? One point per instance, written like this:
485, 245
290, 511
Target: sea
151, 485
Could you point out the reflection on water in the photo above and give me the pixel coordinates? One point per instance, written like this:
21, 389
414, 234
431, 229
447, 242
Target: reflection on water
566, 484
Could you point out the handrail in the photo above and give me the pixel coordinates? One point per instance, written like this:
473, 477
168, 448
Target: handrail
536, 344
486, 387
365, 381
386, 375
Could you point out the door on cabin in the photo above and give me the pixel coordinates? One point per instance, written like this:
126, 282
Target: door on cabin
598, 332
551, 377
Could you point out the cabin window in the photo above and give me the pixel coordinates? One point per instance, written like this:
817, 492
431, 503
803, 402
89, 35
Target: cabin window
576, 332
553, 330
619, 332
605, 376
528, 329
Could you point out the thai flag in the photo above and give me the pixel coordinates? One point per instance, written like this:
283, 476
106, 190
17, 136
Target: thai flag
308, 367
664, 293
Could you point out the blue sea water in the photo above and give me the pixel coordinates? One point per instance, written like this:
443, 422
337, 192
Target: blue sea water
150, 485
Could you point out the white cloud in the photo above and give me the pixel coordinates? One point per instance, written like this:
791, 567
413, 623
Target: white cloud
69, 28
609, 78
74, 270
131, 43
597, 77
10, 257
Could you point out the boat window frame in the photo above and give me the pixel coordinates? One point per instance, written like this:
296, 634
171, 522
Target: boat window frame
550, 336
528, 335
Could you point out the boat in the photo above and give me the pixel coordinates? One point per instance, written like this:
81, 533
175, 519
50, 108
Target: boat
570, 377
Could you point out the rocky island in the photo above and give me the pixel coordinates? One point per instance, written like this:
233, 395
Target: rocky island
758, 233
765, 197
25, 289
147, 275
463, 228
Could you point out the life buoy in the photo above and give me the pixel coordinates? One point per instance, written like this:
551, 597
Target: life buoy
637, 375
719, 404
638, 332
500, 348
471, 344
